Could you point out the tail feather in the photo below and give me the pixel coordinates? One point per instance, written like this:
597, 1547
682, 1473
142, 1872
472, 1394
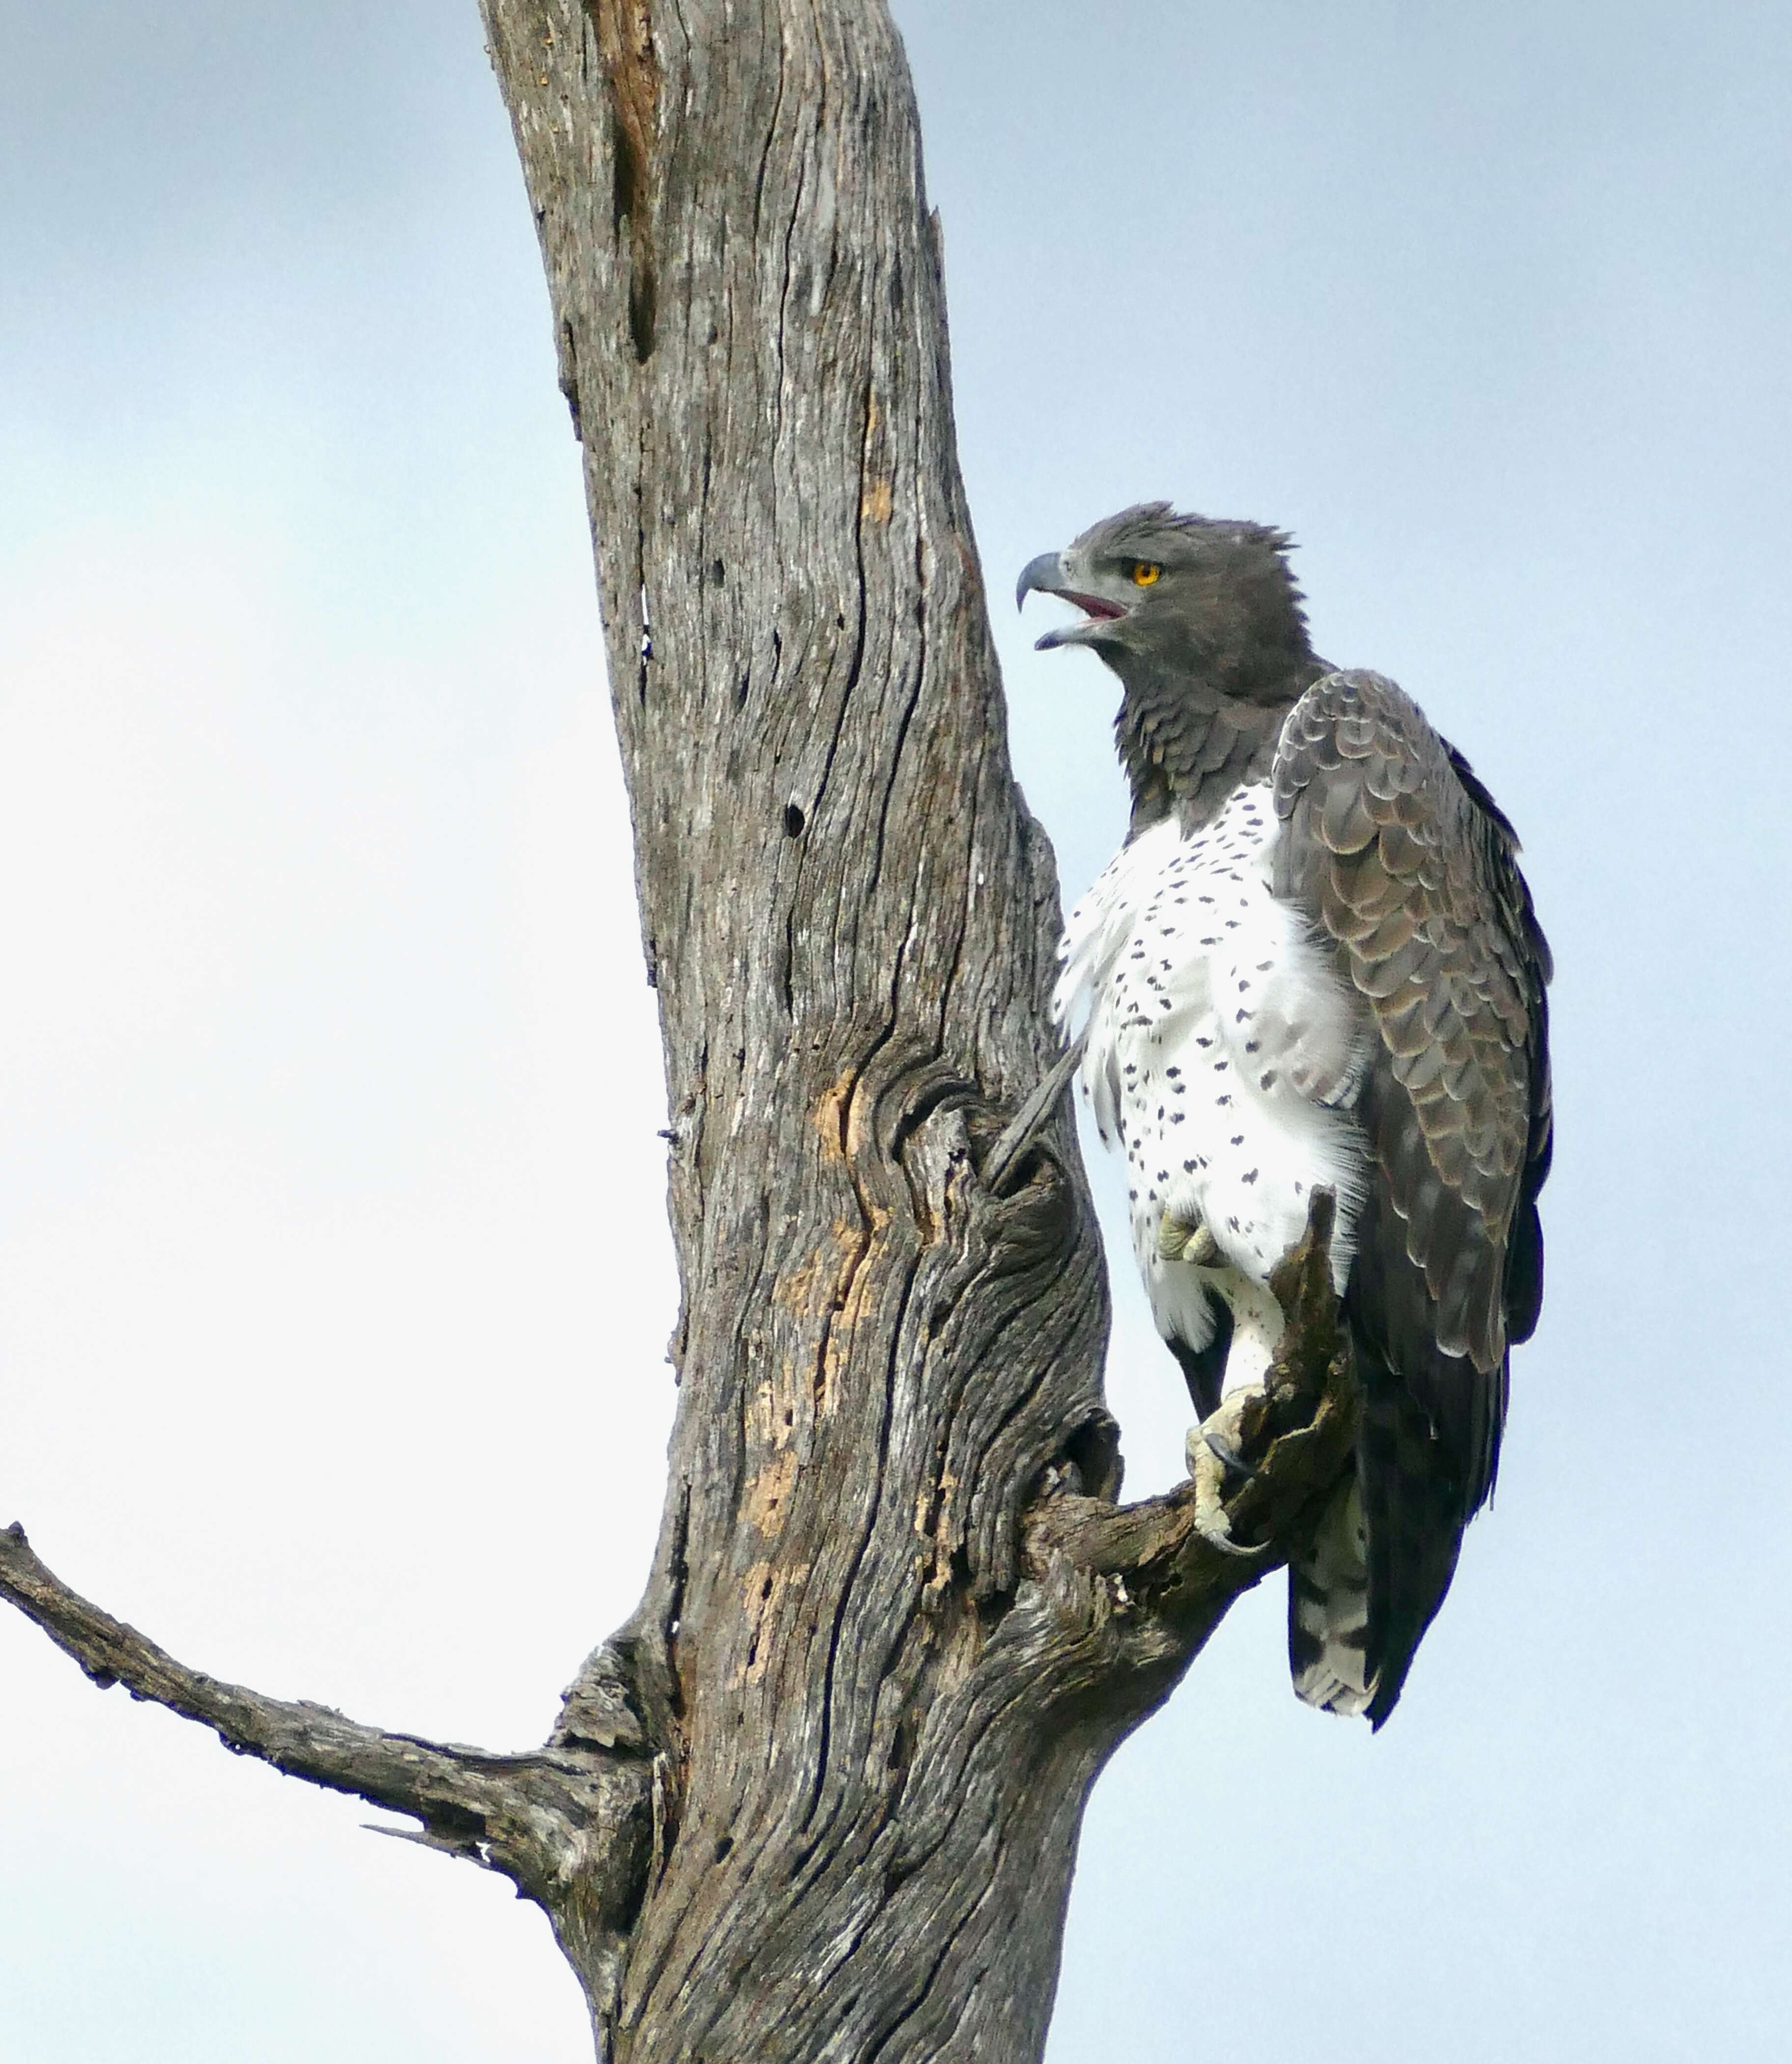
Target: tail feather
1328, 1610
1416, 1500
1380, 1561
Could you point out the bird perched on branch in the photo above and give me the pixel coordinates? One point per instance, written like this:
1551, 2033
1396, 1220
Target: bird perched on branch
1313, 962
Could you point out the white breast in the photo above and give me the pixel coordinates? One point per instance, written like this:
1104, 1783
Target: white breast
1224, 1055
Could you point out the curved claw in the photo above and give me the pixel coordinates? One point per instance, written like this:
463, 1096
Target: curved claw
1210, 1521
1219, 1442
1219, 1430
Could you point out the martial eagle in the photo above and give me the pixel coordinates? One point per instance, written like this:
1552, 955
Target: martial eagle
1313, 962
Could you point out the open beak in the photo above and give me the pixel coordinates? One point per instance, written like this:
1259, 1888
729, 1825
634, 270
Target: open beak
1045, 575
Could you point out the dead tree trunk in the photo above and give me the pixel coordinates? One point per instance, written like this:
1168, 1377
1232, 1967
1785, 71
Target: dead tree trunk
819, 1799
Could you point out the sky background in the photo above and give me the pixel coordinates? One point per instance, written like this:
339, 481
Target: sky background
334, 1285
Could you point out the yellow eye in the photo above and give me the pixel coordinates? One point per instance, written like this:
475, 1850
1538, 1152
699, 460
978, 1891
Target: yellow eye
1144, 573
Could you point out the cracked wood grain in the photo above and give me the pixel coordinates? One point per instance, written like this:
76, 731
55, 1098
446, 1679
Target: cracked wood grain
889, 1677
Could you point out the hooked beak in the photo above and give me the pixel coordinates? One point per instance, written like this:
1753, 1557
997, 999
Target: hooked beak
1046, 576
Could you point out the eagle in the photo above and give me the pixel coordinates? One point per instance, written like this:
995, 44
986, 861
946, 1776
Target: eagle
1314, 963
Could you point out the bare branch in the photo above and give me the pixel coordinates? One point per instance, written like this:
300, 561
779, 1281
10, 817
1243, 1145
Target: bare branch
543, 1818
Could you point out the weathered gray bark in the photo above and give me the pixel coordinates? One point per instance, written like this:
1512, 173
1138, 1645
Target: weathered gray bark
819, 1799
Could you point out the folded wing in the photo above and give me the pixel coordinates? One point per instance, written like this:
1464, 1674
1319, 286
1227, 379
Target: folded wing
1400, 859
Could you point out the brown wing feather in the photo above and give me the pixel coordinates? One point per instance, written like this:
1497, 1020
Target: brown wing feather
1401, 857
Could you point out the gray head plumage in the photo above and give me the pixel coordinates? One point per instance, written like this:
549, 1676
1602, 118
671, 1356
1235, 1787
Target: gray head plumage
1202, 592
1200, 618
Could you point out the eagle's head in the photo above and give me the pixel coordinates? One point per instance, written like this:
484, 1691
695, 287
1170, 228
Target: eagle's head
1194, 598
1201, 619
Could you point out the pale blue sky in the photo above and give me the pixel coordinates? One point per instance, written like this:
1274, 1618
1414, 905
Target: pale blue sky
325, 1032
